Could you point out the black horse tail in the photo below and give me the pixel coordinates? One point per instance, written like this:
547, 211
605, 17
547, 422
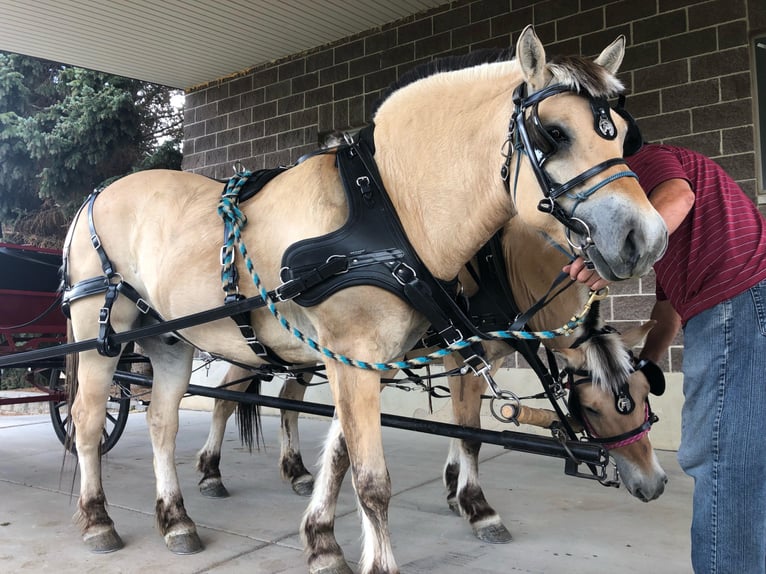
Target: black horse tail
249, 418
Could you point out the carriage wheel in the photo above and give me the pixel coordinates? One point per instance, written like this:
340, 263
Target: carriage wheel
117, 410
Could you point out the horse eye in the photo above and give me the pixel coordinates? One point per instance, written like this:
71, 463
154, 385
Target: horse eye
556, 134
591, 411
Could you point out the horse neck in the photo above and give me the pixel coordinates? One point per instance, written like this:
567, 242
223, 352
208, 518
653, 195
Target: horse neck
438, 148
533, 264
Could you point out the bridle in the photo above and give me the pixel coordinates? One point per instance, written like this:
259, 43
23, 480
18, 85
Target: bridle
527, 134
624, 404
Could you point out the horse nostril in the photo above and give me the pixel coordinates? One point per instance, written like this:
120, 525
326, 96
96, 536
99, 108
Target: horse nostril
630, 249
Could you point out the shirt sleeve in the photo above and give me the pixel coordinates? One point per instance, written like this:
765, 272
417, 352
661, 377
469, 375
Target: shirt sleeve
656, 164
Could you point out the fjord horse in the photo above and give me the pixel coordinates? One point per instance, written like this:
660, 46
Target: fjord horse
437, 142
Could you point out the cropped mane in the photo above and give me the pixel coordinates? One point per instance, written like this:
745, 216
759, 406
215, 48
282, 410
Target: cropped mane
445, 64
606, 357
584, 76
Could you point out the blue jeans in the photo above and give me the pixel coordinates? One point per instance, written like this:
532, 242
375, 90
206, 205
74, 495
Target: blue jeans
723, 441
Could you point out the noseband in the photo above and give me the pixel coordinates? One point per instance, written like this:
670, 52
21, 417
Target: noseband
527, 134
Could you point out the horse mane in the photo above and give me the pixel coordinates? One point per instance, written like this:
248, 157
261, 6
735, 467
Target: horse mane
441, 65
580, 74
606, 357
584, 76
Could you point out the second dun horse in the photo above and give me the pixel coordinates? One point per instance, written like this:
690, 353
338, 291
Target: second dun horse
149, 247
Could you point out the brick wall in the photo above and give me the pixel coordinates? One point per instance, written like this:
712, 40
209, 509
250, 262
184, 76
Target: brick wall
687, 67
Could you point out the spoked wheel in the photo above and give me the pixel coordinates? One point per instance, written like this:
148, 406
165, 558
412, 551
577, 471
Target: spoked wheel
117, 410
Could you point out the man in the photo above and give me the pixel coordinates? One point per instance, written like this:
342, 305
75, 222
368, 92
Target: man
712, 282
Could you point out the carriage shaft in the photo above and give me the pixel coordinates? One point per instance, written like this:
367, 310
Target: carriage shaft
511, 440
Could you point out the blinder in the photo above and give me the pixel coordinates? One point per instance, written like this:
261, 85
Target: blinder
602, 120
633, 138
654, 376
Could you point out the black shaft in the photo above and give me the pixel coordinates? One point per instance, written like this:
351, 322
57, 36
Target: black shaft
512, 440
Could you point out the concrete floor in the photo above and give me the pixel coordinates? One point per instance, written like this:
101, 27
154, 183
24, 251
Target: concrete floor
559, 523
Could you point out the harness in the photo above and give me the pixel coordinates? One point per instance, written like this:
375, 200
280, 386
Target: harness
371, 248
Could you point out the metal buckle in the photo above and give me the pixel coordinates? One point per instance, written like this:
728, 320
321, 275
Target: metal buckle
143, 306
103, 316
402, 264
278, 291
459, 335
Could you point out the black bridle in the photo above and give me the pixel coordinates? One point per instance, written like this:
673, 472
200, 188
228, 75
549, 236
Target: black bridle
527, 134
624, 404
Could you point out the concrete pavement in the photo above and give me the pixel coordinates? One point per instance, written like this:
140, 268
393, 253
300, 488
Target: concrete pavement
559, 523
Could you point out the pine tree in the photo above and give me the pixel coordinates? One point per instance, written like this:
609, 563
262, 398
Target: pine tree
65, 131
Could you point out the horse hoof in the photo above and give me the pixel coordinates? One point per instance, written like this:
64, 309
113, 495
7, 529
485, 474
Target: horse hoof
104, 542
303, 486
341, 568
494, 534
184, 543
213, 490
453, 506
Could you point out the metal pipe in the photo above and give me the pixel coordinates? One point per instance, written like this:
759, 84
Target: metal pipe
512, 440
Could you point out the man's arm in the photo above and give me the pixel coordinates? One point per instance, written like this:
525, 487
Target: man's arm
662, 334
673, 199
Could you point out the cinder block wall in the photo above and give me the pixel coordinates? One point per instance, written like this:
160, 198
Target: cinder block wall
687, 68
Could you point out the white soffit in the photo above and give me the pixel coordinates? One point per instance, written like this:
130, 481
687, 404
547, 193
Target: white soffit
184, 43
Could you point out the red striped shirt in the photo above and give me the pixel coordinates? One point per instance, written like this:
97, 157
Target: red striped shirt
719, 250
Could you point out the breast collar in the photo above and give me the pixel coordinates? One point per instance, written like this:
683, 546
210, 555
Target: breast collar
372, 248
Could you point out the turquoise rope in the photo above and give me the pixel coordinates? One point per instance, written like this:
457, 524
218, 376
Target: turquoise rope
231, 214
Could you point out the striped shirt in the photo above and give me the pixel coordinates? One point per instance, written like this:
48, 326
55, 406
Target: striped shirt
719, 250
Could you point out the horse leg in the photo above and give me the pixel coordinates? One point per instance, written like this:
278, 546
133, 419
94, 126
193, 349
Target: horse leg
461, 472
94, 378
209, 457
356, 395
172, 370
290, 460
317, 526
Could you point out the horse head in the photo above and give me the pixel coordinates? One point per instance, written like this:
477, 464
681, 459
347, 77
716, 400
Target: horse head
567, 142
609, 395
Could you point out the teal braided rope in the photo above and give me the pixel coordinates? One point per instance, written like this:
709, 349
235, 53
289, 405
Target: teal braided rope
229, 211
229, 203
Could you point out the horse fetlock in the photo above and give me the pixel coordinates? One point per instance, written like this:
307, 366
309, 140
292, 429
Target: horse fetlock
323, 550
172, 517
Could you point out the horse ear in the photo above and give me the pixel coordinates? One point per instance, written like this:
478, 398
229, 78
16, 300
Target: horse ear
612, 56
572, 358
635, 335
531, 55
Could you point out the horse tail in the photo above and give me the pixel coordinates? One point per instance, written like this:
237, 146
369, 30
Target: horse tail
71, 364
249, 418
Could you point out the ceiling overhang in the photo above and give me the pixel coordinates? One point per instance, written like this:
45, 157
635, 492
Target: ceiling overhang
180, 43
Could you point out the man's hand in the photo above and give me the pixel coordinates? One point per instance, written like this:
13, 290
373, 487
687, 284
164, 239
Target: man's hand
579, 271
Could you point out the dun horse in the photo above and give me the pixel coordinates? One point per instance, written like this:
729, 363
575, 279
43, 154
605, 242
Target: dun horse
149, 246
